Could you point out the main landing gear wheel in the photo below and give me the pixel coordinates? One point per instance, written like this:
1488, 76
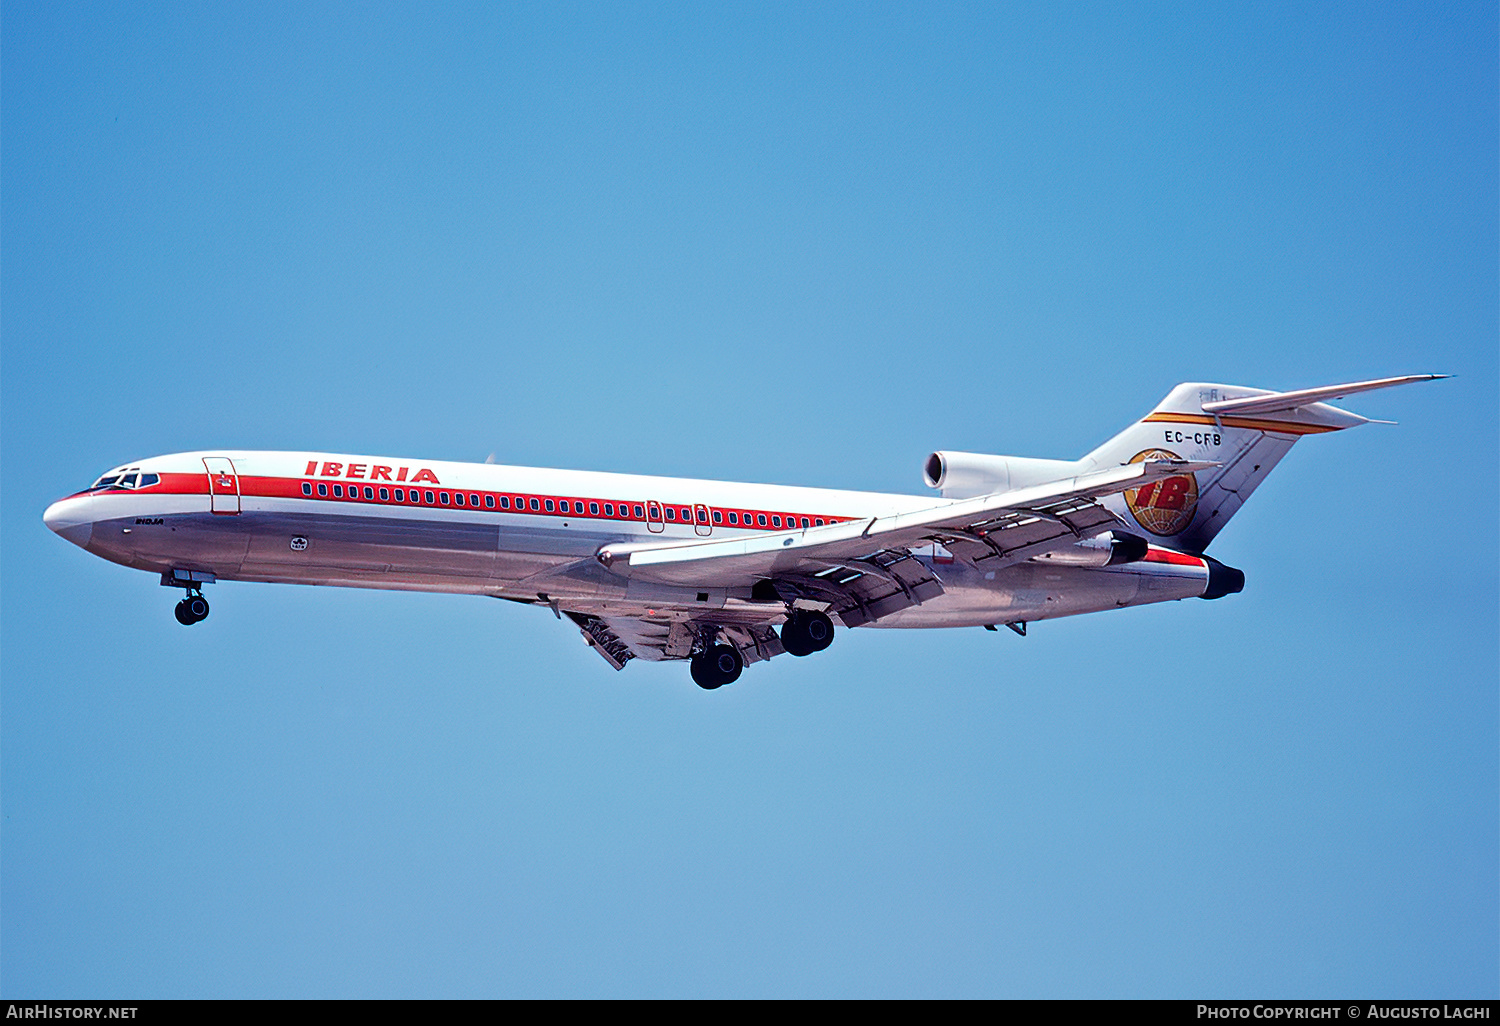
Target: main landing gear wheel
716, 667
806, 632
191, 609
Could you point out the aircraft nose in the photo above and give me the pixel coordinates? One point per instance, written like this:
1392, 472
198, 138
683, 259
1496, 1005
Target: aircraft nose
64, 517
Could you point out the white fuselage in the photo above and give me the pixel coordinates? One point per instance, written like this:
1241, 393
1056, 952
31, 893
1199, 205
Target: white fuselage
377, 522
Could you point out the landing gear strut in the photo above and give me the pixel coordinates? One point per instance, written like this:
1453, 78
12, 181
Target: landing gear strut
806, 631
716, 666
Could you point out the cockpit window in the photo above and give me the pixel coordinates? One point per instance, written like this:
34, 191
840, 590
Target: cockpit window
125, 477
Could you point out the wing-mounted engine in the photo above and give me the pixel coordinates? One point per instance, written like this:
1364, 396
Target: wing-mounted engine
963, 475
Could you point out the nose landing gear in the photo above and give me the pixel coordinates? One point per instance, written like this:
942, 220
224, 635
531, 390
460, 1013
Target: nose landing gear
191, 609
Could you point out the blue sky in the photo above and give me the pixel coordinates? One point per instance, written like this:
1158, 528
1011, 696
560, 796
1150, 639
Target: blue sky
805, 244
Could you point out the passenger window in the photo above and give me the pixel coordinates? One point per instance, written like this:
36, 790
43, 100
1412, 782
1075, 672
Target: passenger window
322, 489
535, 504
564, 504
338, 491
805, 524
489, 502
369, 492
473, 499
385, 495
671, 513
638, 513
775, 521
428, 496
760, 518
734, 518
593, 509
818, 521
549, 506
459, 498
505, 502
400, 494
443, 498
718, 517
306, 487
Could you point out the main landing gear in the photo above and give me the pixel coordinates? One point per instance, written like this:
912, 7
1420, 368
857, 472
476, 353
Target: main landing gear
716, 666
718, 663
806, 631
192, 609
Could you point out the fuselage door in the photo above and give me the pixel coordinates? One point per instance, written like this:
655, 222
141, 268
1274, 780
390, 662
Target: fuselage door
223, 485
700, 520
654, 522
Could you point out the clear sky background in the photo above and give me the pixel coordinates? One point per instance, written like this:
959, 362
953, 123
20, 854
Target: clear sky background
798, 243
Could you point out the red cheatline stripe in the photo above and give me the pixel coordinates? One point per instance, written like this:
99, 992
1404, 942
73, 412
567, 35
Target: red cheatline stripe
1281, 426
291, 488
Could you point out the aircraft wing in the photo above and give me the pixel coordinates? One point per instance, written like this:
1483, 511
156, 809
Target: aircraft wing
865, 569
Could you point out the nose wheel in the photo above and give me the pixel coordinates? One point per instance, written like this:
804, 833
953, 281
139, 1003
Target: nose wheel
191, 609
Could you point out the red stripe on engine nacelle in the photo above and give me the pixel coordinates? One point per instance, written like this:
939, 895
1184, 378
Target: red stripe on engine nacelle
1156, 555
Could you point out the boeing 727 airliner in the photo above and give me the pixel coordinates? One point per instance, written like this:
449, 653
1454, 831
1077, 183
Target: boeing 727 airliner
661, 568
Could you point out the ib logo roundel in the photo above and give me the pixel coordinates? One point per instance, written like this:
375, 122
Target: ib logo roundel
1163, 507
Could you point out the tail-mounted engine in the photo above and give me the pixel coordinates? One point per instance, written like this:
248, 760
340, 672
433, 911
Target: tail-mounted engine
963, 475
1111, 548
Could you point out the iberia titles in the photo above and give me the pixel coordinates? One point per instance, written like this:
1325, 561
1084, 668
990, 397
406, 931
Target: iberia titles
368, 472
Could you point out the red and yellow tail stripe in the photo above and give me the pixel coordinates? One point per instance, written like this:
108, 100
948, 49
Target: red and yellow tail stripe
1282, 427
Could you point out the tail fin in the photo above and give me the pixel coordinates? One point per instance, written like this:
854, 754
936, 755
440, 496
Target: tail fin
1245, 430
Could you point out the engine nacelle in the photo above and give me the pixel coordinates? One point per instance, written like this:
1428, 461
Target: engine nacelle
1222, 580
963, 475
1108, 549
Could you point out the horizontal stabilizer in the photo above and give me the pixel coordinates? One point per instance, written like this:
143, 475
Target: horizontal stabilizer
1278, 402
